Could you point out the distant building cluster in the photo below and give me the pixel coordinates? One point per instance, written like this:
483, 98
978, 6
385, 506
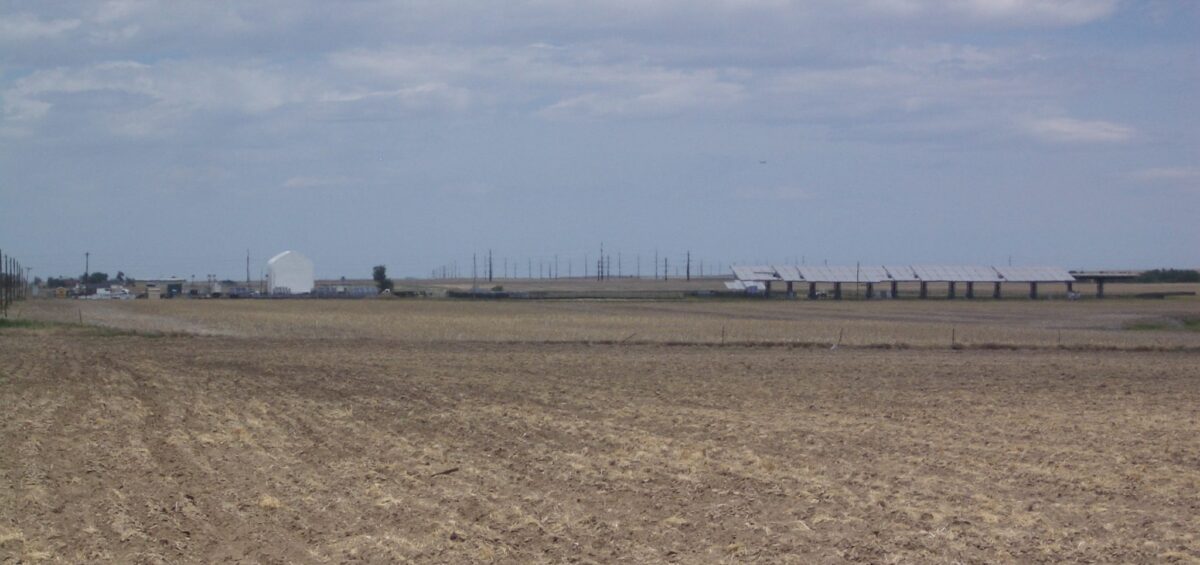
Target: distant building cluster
287, 274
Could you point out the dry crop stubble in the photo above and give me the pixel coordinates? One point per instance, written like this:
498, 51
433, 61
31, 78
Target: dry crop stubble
1082, 325
281, 442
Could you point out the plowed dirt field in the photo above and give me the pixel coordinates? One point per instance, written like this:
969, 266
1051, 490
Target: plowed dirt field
263, 440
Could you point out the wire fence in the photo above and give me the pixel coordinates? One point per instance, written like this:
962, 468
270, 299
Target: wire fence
13, 286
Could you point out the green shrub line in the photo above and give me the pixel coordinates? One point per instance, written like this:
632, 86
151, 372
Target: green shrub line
1169, 276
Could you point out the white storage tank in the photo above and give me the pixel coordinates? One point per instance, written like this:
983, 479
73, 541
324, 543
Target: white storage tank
290, 273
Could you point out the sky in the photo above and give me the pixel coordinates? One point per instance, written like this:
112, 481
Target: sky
171, 138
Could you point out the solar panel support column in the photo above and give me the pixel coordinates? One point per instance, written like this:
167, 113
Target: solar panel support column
970, 290
996, 291
950, 293
837, 291
924, 289
1099, 288
870, 291
895, 289
767, 290
790, 292
1033, 291
812, 291
1070, 286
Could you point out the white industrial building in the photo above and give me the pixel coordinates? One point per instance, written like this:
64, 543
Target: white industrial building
290, 273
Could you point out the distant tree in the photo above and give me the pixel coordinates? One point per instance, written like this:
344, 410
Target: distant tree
120, 276
37, 281
379, 273
1170, 276
97, 278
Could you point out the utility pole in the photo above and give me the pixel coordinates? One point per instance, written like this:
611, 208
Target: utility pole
655, 264
489, 265
87, 265
664, 268
247, 267
689, 266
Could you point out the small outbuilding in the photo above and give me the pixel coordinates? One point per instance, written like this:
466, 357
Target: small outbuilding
290, 273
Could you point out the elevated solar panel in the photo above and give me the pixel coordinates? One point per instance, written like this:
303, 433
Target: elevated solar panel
957, 273
789, 273
760, 273
1035, 274
900, 273
843, 274
873, 274
825, 274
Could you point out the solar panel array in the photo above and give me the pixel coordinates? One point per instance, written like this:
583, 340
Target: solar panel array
956, 274
789, 273
755, 273
901, 273
917, 273
1035, 274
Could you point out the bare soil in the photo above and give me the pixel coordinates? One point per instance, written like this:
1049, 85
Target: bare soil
263, 443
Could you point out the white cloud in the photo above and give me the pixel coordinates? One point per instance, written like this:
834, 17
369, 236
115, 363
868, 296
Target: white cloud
25, 27
1055, 12
946, 56
579, 79
1013, 12
647, 93
181, 85
428, 95
1069, 130
1167, 174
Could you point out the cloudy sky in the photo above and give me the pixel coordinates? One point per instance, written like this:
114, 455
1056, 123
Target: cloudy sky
170, 137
